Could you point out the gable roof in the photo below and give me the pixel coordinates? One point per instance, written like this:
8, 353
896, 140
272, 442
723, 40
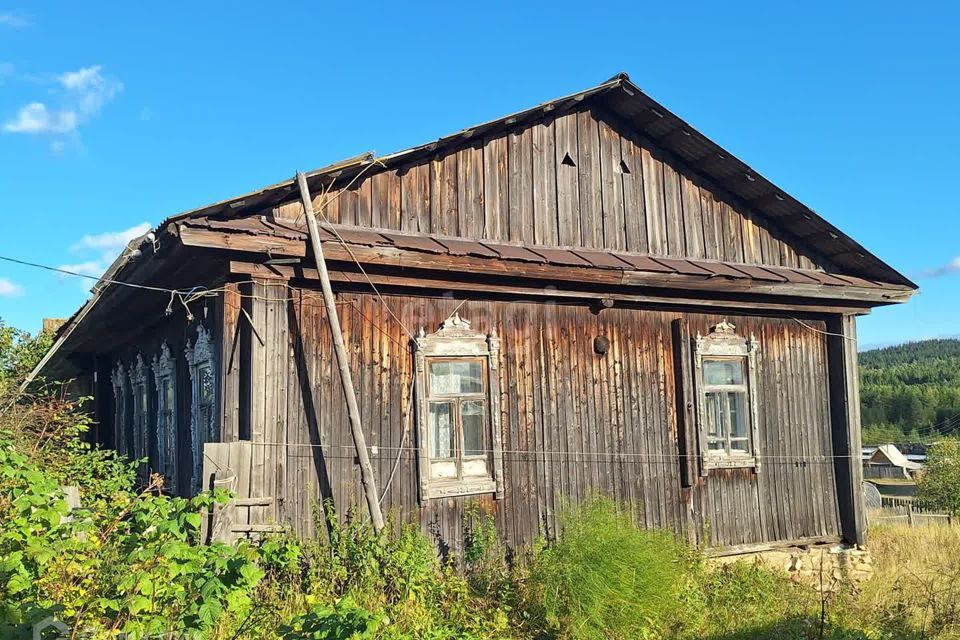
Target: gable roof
889, 453
620, 97
624, 100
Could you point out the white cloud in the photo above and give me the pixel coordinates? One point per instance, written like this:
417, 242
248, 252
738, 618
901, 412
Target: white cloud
80, 96
9, 289
111, 242
36, 118
93, 268
106, 247
944, 270
14, 19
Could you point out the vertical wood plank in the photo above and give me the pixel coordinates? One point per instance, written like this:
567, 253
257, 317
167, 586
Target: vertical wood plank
653, 203
673, 211
634, 207
567, 161
496, 188
544, 184
611, 184
470, 192
692, 219
591, 205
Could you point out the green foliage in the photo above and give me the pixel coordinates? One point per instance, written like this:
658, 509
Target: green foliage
344, 621
399, 575
125, 561
20, 352
910, 392
605, 578
484, 560
130, 560
938, 487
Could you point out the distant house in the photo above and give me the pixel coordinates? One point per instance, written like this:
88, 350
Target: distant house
887, 461
587, 296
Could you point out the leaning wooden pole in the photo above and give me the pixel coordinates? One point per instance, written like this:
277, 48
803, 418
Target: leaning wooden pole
346, 379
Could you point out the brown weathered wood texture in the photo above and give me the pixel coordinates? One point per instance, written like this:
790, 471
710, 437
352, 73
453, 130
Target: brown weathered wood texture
845, 405
574, 179
574, 423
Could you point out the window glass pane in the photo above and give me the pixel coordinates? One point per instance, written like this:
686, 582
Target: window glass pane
738, 414
441, 430
166, 393
456, 376
723, 372
144, 400
471, 419
715, 415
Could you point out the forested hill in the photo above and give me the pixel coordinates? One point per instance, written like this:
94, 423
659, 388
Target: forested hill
910, 392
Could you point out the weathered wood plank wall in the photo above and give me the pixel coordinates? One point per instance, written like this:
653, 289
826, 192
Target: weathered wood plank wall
574, 180
574, 423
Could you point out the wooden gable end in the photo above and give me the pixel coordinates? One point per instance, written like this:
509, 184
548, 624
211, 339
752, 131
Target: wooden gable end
579, 179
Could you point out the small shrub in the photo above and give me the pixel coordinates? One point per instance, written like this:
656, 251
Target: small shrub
938, 486
484, 561
605, 579
344, 621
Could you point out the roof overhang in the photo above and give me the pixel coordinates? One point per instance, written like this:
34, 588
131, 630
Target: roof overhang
267, 240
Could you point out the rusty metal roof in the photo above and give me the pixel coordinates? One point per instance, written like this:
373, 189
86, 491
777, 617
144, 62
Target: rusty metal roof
555, 256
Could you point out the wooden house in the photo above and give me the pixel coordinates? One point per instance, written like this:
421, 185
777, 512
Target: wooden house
887, 461
585, 297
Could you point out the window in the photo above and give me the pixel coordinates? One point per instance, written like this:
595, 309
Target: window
203, 426
726, 398
118, 380
165, 376
141, 413
458, 411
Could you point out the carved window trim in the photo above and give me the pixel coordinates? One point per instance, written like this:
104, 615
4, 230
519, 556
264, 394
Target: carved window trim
139, 377
455, 340
200, 359
723, 343
118, 381
164, 378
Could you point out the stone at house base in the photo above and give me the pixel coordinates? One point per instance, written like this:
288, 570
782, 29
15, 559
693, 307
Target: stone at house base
825, 567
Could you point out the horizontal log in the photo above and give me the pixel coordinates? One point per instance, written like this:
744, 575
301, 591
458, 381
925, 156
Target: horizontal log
742, 549
391, 256
285, 273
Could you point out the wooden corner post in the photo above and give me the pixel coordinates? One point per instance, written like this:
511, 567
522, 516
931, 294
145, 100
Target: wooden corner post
343, 363
845, 425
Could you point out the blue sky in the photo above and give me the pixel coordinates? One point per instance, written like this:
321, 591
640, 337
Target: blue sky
114, 116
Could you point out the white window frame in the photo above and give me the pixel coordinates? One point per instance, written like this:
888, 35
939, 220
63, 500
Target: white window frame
165, 372
118, 380
200, 356
723, 343
456, 340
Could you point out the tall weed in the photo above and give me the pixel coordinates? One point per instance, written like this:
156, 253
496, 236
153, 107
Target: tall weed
605, 579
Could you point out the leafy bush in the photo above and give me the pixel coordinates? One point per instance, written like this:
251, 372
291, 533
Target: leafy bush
938, 487
125, 561
400, 575
344, 621
605, 578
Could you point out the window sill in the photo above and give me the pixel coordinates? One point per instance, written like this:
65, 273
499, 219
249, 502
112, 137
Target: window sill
730, 462
453, 488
